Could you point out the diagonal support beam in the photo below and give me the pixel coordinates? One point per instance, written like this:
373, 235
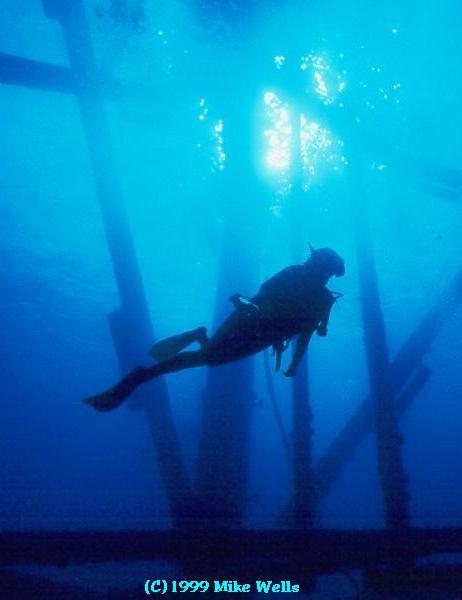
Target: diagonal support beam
407, 362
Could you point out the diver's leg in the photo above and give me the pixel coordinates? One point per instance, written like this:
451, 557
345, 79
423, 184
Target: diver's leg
115, 395
171, 346
202, 337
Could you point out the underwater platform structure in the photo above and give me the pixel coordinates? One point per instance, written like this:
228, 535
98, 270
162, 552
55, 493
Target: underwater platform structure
219, 546
247, 556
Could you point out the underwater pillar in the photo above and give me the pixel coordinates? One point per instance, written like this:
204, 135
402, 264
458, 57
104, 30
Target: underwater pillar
302, 418
224, 446
130, 325
223, 455
302, 415
389, 440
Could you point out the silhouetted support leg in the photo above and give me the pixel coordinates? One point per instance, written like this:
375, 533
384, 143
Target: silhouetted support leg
114, 396
130, 323
393, 479
302, 414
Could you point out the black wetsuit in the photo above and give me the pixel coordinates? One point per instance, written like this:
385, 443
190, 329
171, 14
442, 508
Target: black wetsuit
294, 301
287, 304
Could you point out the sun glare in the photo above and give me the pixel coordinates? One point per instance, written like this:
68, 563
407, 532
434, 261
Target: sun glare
319, 148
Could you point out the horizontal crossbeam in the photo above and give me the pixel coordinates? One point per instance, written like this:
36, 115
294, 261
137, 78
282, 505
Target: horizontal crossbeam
34, 74
24, 72
317, 551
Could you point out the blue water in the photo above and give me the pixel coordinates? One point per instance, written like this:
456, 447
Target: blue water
209, 166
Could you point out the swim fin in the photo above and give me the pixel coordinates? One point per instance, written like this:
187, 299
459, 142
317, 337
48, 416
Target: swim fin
169, 347
106, 401
114, 396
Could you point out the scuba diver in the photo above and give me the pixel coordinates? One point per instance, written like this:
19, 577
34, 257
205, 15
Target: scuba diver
294, 302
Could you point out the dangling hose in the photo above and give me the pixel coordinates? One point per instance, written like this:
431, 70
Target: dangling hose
272, 396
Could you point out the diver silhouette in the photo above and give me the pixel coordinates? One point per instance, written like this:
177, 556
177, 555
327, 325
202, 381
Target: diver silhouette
294, 302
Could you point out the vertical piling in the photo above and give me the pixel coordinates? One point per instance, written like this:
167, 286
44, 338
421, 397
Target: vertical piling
223, 457
389, 440
130, 325
302, 415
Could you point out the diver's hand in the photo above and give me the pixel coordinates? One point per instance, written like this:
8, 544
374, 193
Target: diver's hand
291, 371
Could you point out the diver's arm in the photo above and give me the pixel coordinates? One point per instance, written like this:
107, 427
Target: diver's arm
324, 320
300, 347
